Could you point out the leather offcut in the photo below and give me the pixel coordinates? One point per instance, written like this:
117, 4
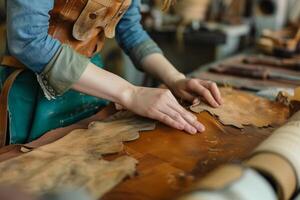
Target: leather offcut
84, 24
75, 160
241, 109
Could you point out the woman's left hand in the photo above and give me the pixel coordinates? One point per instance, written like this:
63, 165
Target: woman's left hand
190, 89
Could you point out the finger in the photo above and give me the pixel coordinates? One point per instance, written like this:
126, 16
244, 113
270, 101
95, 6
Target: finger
188, 117
177, 117
192, 124
187, 96
167, 120
212, 86
201, 90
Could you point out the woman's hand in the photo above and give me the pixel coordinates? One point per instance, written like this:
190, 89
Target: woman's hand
191, 89
182, 87
160, 104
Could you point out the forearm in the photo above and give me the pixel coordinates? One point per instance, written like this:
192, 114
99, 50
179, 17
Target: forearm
103, 84
159, 67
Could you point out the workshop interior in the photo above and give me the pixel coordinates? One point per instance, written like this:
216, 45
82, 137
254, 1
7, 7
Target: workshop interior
60, 141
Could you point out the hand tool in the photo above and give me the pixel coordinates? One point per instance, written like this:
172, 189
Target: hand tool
292, 63
254, 72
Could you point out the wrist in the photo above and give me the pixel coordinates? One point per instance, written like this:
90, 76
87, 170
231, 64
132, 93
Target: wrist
126, 95
173, 78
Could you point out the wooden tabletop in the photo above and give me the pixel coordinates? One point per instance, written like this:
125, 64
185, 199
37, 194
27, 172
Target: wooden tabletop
169, 160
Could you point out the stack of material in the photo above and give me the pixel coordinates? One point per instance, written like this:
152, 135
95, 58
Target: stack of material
255, 72
284, 43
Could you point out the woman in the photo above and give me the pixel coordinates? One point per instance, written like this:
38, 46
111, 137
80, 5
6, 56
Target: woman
60, 68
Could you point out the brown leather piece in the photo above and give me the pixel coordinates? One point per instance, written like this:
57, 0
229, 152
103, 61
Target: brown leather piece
10, 61
293, 101
62, 20
278, 169
118, 13
82, 24
241, 109
99, 15
75, 160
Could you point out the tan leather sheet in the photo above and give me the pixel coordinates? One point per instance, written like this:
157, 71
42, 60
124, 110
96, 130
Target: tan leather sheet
75, 161
241, 109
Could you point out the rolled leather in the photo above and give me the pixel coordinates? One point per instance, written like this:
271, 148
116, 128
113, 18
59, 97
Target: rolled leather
278, 171
240, 184
285, 142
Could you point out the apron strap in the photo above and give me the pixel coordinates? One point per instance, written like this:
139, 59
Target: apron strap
10, 62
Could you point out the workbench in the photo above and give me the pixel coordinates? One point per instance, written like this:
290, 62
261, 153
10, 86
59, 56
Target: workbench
170, 160
244, 83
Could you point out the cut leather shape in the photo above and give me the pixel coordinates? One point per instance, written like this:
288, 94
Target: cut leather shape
110, 28
75, 160
241, 108
97, 16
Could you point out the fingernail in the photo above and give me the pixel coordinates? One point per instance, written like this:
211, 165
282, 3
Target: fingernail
193, 131
202, 129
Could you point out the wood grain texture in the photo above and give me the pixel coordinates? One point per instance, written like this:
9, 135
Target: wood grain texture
170, 160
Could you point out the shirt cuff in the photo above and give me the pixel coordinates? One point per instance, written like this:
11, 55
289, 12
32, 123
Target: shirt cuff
63, 70
142, 50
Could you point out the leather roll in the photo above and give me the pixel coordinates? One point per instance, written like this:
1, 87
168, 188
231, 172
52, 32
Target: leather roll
285, 142
241, 184
278, 171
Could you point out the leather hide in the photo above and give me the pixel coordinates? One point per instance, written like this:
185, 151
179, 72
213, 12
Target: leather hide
84, 24
75, 160
241, 109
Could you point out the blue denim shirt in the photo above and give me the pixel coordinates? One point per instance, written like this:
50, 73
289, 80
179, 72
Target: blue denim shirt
29, 42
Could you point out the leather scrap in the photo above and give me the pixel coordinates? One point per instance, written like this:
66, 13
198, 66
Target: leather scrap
241, 109
292, 101
74, 161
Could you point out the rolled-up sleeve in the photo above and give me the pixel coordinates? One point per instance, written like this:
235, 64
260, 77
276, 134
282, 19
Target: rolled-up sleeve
132, 38
28, 40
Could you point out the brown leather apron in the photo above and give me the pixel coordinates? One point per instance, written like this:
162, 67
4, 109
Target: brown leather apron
82, 24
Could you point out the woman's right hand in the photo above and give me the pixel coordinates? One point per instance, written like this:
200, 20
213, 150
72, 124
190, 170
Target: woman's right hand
155, 103
161, 105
